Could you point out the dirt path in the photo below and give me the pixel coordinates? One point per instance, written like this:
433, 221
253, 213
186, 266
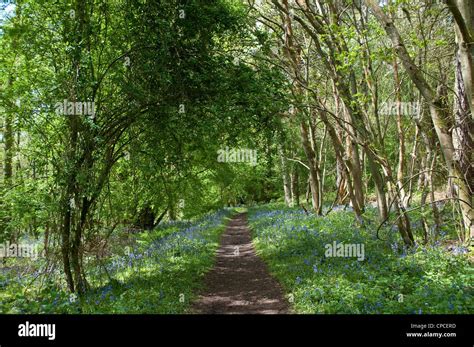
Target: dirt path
240, 281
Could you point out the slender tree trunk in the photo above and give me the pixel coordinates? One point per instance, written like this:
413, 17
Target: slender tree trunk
401, 135
285, 177
346, 165
65, 243
295, 187
313, 168
379, 188
413, 157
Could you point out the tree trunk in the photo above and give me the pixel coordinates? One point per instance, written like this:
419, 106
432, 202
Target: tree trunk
379, 188
401, 135
313, 168
285, 177
295, 187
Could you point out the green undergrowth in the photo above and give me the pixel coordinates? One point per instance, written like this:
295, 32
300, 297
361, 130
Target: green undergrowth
389, 279
161, 272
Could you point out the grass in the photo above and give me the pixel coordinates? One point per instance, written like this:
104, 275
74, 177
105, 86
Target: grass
160, 273
390, 279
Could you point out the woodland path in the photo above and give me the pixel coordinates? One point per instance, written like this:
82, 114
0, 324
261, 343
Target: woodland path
239, 282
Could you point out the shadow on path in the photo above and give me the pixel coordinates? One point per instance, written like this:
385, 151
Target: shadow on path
239, 281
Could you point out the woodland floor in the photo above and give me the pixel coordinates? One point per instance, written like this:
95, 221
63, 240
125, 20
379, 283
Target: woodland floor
239, 282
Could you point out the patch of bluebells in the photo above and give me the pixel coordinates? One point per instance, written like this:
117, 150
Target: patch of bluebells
457, 250
189, 237
293, 244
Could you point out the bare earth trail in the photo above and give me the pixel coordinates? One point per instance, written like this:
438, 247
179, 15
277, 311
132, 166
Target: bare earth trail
239, 281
